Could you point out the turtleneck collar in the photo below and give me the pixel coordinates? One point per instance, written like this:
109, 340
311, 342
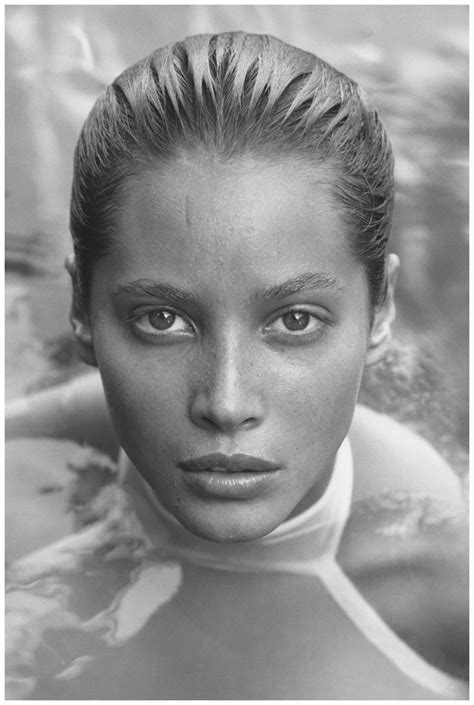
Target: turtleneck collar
309, 536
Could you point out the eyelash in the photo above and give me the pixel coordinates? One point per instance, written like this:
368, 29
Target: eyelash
320, 322
136, 317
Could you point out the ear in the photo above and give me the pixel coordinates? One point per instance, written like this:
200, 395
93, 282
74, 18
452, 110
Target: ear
79, 318
381, 332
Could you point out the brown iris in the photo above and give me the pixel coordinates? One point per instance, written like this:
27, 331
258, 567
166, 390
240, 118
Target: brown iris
295, 320
161, 320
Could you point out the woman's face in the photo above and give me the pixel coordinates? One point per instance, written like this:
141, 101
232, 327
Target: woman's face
231, 318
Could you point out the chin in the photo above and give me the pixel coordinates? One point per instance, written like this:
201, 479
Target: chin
229, 527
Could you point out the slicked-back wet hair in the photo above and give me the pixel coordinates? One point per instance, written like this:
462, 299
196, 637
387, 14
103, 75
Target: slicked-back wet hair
234, 94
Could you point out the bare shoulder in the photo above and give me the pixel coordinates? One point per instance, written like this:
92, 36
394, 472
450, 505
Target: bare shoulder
76, 411
390, 457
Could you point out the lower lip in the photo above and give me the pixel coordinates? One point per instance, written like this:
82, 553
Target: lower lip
230, 485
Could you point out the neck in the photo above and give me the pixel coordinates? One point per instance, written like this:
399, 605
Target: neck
316, 492
309, 533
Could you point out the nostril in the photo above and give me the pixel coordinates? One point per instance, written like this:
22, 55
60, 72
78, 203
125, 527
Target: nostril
225, 415
209, 423
225, 423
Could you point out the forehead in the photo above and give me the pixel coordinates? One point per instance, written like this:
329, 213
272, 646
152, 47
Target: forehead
198, 212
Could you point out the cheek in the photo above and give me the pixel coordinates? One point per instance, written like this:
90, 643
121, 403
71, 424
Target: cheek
309, 393
146, 394
318, 392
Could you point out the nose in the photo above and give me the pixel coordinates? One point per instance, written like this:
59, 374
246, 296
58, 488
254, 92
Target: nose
227, 397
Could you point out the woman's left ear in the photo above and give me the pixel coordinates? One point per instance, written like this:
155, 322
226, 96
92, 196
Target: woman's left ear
381, 332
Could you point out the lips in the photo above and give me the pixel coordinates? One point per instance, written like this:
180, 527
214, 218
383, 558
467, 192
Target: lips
218, 462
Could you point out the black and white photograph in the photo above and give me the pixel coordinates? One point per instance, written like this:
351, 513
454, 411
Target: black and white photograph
236, 352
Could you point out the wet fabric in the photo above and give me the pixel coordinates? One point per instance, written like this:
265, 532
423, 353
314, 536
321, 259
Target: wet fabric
135, 608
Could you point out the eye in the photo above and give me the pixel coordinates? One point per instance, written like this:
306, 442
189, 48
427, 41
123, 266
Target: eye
296, 321
160, 321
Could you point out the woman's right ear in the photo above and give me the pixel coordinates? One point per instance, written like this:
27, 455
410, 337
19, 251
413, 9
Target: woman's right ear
79, 318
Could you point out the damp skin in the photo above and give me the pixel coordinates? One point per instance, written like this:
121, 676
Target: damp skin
231, 317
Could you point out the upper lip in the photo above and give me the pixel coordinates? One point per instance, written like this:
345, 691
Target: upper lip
218, 462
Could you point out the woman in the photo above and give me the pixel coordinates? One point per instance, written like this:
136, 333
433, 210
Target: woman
230, 213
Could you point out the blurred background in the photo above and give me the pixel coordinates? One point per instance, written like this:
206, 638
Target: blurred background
413, 62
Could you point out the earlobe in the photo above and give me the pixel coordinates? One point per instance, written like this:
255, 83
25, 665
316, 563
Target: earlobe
381, 332
83, 336
79, 318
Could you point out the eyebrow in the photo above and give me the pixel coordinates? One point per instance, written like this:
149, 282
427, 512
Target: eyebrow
147, 287
308, 281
